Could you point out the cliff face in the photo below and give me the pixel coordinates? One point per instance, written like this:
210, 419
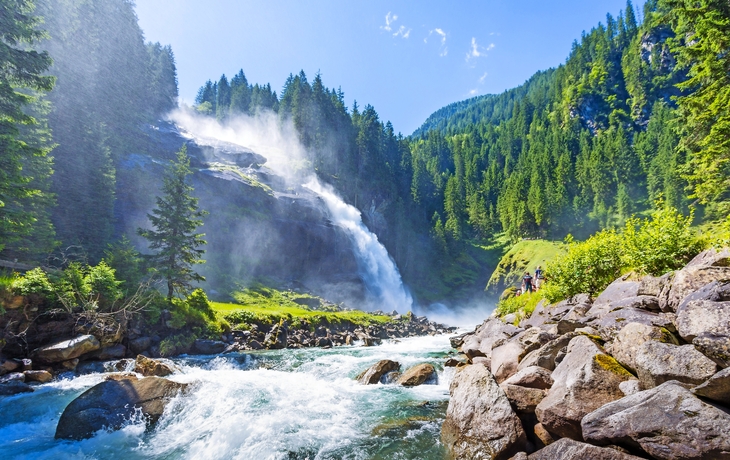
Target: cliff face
260, 227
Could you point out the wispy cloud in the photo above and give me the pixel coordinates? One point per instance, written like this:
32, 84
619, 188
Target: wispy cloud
444, 50
478, 51
403, 32
389, 19
483, 77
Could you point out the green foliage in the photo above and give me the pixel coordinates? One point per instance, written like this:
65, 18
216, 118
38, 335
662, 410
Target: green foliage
522, 306
172, 345
524, 256
658, 245
126, 262
103, 285
175, 219
198, 300
34, 281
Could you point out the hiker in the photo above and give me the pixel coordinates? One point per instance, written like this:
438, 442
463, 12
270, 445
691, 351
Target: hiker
539, 276
527, 283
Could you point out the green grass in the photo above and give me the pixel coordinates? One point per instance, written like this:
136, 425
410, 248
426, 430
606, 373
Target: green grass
523, 256
269, 306
522, 306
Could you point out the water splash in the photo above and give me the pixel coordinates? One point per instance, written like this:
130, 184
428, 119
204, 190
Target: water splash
379, 272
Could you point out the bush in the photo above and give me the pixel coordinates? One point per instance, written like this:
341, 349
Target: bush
199, 301
34, 282
522, 305
103, 285
661, 244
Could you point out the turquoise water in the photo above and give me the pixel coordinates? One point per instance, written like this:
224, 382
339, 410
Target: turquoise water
285, 404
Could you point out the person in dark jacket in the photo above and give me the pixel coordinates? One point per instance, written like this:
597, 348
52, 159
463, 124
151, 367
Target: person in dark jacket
527, 283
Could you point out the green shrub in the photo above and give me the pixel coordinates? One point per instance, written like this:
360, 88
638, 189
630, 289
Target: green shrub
661, 244
522, 306
198, 300
588, 266
103, 285
34, 282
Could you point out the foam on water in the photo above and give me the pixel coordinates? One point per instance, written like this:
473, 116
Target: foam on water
285, 404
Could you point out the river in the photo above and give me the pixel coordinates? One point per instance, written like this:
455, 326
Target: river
284, 404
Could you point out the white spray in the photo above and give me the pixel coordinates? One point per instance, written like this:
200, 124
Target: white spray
279, 144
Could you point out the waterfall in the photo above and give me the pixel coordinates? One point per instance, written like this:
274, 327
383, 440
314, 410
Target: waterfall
379, 272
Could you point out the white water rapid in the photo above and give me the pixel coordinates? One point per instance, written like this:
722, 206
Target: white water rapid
267, 405
378, 270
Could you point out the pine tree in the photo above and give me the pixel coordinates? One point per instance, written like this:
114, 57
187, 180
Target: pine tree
20, 69
175, 220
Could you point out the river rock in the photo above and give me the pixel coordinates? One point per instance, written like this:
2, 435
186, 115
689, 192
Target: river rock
375, 372
480, 422
586, 379
714, 346
14, 387
627, 342
524, 400
8, 365
117, 351
717, 388
701, 316
658, 362
13, 377
569, 449
153, 367
38, 376
276, 338
111, 403
705, 268
67, 349
208, 347
532, 377
417, 375
666, 422
545, 355
140, 344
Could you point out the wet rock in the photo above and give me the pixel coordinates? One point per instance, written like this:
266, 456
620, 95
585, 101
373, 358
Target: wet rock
702, 316
13, 377
545, 355
375, 372
208, 347
14, 387
658, 362
153, 367
569, 449
523, 399
70, 365
121, 376
453, 362
666, 422
140, 344
714, 346
38, 376
276, 339
716, 388
121, 365
417, 375
585, 380
627, 342
255, 345
111, 403
117, 351
532, 377
8, 365
66, 349
480, 422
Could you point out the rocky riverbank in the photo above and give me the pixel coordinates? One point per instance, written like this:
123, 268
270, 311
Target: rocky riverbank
641, 371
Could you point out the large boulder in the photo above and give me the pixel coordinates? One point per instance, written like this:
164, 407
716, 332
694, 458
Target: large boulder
609, 324
111, 403
628, 341
417, 375
140, 344
714, 346
658, 362
707, 267
523, 400
14, 387
506, 357
66, 350
666, 422
109, 353
716, 388
532, 377
208, 347
490, 333
374, 373
569, 449
480, 423
545, 355
153, 367
586, 379
702, 316
276, 338
38, 376
617, 291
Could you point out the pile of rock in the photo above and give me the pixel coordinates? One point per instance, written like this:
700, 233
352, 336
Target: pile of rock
639, 372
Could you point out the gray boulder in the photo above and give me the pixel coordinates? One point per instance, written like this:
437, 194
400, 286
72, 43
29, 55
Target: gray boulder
575, 318
374, 373
208, 347
480, 422
707, 267
569, 449
701, 316
630, 387
66, 350
493, 332
717, 388
586, 379
532, 377
643, 302
140, 344
545, 355
619, 290
418, 375
523, 400
506, 358
658, 362
629, 339
610, 323
14, 387
666, 422
714, 346
111, 403
109, 353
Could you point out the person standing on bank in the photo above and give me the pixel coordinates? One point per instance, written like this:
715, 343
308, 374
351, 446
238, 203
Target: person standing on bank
527, 283
538, 278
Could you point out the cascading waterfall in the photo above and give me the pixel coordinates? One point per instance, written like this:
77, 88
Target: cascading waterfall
379, 272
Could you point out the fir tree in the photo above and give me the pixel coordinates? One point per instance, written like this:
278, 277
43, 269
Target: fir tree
175, 220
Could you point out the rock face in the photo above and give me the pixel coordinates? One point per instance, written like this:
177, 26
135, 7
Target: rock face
67, 349
666, 422
111, 403
375, 372
152, 367
480, 423
585, 380
658, 362
417, 375
568, 449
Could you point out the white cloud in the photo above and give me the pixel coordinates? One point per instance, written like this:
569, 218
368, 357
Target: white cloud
403, 32
389, 19
444, 50
478, 51
483, 77
473, 92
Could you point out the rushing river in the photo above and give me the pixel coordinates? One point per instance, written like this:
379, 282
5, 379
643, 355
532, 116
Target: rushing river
285, 404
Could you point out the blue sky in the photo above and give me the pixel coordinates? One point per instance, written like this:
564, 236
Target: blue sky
406, 58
